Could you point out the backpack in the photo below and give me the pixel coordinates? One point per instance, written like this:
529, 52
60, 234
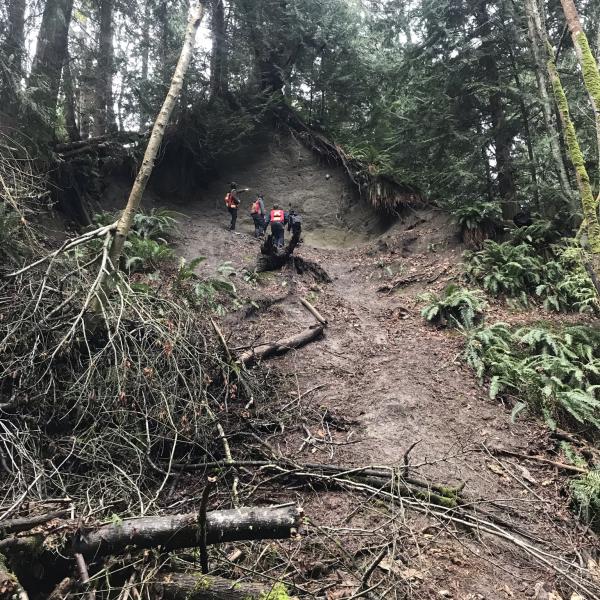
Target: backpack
230, 200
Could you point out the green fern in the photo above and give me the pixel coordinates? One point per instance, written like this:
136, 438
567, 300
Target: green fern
478, 215
585, 493
456, 306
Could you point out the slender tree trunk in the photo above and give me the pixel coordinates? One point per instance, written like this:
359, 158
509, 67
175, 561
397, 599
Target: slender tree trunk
137, 191
105, 114
500, 130
538, 44
218, 72
597, 128
51, 51
86, 88
69, 94
587, 61
589, 205
143, 103
511, 41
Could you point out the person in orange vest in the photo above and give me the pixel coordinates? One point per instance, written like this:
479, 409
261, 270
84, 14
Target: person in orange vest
257, 212
232, 202
278, 218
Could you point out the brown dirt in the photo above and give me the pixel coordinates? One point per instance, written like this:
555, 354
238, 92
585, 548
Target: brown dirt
387, 379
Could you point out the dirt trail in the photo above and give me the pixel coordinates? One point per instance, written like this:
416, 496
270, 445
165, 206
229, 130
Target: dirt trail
392, 380
382, 380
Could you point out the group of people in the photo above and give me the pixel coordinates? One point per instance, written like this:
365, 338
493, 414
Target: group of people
277, 218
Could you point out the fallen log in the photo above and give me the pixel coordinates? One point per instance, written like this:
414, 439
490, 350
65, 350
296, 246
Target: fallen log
271, 257
195, 586
170, 532
281, 346
26, 523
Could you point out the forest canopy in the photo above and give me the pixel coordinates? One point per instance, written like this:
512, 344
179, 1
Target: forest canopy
445, 95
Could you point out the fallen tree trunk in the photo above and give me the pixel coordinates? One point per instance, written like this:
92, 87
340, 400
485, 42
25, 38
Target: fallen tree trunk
194, 586
281, 346
271, 257
170, 532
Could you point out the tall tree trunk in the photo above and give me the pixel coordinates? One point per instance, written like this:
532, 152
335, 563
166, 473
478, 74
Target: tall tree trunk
14, 44
537, 36
13, 49
218, 72
137, 191
68, 91
500, 130
105, 113
51, 51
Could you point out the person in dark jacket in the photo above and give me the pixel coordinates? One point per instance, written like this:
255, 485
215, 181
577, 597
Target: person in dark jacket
257, 212
294, 223
278, 219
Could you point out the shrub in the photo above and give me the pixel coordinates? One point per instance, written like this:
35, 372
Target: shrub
478, 221
555, 373
585, 493
142, 254
456, 306
520, 272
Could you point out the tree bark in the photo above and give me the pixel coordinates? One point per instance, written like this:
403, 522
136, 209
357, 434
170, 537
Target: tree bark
170, 532
281, 346
537, 37
105, 115
51, 51
158, 131
187, 586
218, 74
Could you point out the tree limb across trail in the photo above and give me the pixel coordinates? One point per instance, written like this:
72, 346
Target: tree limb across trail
281, 346
170, 532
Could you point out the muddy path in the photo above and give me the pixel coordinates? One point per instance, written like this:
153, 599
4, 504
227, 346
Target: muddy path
380, 381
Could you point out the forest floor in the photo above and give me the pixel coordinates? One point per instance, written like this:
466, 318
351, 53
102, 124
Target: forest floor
381, 380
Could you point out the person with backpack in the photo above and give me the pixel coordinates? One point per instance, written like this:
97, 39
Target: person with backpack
257, 212
232, 202
278, 219
294, 223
